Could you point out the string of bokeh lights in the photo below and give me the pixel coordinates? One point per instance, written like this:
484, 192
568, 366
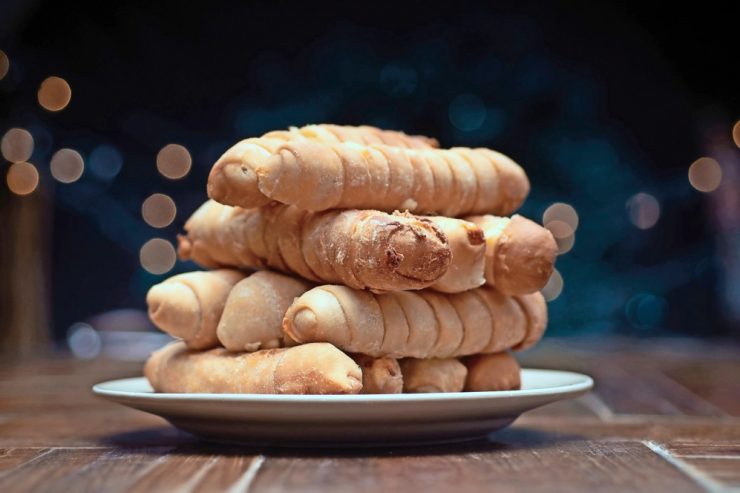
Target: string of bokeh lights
157, 255
466, 113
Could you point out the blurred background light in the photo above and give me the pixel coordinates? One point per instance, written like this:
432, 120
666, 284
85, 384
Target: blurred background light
705, 174
105, 162
398, 80
83, 341
119, 334
22, 178
174, 161
561, 212
4, 64
121, 320
643, 210
54, 94
157, 256
67, 165
559, 229
17, 145
646, 310
554, 286
467, 112
736, 133
158, 210
565, 244
132, 345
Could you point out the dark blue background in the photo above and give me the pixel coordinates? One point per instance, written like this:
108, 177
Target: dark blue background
597, 102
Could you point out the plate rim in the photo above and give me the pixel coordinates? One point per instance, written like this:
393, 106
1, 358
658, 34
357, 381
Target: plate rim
585, 384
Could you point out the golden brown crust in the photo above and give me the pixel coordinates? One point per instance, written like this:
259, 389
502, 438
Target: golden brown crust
190, 305
379, 375
233, 178
527, 251
489, 372
317, 175
520, 254
513, 185
363, 134
308, 369
468, 247
510, 321
421, 324
361, 249
253, 314
433, 375
535, 309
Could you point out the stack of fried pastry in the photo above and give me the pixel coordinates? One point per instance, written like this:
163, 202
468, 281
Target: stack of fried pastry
354, 260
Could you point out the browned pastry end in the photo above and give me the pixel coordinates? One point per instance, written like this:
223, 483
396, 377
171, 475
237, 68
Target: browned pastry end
520, 254
252, 317
190, 305
379, 375
433, 375
468, 247
489, 372
233, 178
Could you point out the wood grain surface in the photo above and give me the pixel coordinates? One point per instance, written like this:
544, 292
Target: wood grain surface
665, 416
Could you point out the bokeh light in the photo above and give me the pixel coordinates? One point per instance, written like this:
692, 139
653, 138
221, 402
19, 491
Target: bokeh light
645, 310
559, 229
22, 178
562, 221
174, 161
4, 64
565, 244
643, 210
705, 174
157, 256
554, 286
17, 145
158, 210
563, 213
736, 133
467, 112
67, 165
398, 80
105, 162
84, 341
54, 94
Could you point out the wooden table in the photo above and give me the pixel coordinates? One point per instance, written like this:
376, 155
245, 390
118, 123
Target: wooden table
665, 416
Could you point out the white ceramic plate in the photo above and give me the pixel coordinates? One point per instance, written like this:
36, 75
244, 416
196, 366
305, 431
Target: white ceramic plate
347, 420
